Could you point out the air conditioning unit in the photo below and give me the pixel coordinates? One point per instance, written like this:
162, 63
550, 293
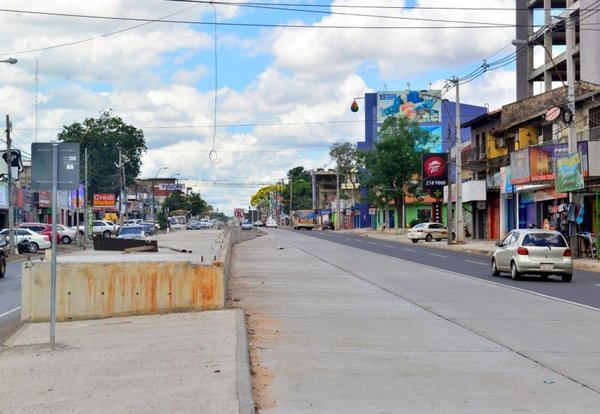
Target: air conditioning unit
500, 143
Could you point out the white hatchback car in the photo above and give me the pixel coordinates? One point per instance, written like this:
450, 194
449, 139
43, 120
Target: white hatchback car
271, 222
535, 252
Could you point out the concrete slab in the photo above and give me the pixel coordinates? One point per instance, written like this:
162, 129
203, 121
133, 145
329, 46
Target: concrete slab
336, 329
176, 363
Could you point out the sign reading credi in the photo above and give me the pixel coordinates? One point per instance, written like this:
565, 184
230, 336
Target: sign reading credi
104, 200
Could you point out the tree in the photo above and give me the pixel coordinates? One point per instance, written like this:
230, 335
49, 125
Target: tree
395, 159
193, 203
347, 160
103, 137
298, 189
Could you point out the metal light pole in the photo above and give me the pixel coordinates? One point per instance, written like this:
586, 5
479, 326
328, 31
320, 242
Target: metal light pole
10, 61
154, 191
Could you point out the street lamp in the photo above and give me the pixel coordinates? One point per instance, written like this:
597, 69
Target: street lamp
154, 190
10, 61
524, 42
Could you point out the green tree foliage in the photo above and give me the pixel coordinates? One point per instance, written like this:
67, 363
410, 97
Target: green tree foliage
348, 160
103, 137
393, 162
193, 203
299, 188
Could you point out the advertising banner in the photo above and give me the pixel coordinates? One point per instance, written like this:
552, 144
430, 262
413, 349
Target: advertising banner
519, 167
434, 173
104, 200
45, 199
172, 187
569, 174
536, 163
422, 106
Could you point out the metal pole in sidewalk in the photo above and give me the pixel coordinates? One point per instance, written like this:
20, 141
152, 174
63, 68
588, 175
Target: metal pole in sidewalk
11, 213
449, 201
459, 212
53, 262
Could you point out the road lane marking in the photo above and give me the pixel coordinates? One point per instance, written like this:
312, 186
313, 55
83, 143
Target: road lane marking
372, 242
2, 315
438, 255
409, 250
479, 263
389, 245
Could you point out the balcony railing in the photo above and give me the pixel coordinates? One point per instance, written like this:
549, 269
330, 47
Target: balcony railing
476, 154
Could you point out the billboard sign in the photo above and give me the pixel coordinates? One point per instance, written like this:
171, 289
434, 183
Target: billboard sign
104, 200
434, 173
172, 187
569, 174
421, 106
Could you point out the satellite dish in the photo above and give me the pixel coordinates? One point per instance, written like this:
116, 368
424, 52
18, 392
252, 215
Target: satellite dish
552, 113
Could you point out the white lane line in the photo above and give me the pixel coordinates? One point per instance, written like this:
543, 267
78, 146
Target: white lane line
10, 311
409, 250
372, 242
389, 245
479, 263
438, 255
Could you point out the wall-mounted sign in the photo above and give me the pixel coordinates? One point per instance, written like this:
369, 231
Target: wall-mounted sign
16, 163
172, 187
104, 200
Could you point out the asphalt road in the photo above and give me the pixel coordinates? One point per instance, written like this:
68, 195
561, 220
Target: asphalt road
583, 290
10, 300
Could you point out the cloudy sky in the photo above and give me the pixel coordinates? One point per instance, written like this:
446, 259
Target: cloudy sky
284, 72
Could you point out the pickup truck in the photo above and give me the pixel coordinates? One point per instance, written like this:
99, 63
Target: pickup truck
100, 228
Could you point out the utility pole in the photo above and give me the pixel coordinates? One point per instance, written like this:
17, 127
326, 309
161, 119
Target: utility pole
86, 202
459, 212
11, 213
337, 196
449, 203
290, 215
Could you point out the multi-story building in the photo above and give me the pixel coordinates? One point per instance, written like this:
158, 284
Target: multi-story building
434, 114
546, 24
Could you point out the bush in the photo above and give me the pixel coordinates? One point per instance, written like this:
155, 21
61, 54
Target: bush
414, 222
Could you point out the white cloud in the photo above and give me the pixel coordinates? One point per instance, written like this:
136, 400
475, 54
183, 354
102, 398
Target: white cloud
158, 77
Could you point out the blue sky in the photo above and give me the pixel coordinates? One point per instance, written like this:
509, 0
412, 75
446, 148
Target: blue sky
283, 93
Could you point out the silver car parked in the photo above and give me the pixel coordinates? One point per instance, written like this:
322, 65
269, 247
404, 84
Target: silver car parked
535, 252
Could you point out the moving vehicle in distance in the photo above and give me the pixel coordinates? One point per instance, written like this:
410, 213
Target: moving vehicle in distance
303, 219
328, 225
246, 225
271, 222
533, 252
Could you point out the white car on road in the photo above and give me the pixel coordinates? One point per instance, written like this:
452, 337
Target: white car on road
271, 222
42, 241
65, 234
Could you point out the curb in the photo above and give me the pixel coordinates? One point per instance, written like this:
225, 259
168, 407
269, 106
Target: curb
244, 384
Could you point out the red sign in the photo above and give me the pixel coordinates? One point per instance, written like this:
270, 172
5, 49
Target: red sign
104, 200
434, 170
238, 213
45, 199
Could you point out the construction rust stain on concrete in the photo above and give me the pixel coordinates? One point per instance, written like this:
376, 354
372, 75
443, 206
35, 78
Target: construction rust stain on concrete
94, 290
